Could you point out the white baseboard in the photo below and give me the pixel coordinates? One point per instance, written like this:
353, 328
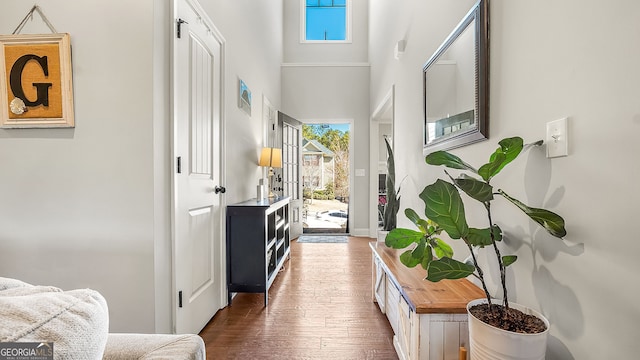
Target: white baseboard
364, 232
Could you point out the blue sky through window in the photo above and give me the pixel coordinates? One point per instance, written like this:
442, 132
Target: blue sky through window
339, 127
326, 19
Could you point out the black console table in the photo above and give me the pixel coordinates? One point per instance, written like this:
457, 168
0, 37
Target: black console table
257, 244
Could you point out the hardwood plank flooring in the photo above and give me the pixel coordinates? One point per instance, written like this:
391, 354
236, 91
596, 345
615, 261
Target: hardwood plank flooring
320, 307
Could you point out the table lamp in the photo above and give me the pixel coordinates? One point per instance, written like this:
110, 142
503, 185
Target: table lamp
271, 157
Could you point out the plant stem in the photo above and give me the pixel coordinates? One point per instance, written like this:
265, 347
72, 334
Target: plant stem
480, 275
503, 272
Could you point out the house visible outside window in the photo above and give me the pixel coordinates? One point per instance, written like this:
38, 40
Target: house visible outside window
312, 160
312, 182
325, 21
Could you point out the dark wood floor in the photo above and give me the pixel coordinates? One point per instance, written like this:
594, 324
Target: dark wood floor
320, 307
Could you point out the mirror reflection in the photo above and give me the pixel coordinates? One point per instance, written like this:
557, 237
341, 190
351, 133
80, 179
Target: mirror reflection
455, 86
450, 88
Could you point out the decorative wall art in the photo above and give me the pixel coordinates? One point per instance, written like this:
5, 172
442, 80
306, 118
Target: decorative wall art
244, 98
36, 88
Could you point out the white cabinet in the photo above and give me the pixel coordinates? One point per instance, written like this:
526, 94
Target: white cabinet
429, 320
406, 340
392, 302
442, 335
379, 280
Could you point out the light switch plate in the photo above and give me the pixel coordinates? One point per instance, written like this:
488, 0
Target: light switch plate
557, 138
360, 172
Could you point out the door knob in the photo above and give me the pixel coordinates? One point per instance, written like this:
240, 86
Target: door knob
220, 189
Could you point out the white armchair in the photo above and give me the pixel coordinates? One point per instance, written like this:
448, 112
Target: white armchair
77, 323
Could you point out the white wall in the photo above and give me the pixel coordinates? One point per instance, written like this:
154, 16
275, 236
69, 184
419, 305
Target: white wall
578, 60
90, 206
295, 52
77, 206
329, 83
162, 165
329, 93
253, 34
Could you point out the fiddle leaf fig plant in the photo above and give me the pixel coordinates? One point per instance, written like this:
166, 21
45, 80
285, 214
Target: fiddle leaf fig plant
445, 211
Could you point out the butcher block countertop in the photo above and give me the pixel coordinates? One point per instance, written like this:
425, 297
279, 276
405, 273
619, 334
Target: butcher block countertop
423, 296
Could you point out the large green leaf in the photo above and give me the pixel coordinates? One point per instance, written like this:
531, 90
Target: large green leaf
441, 248
551, 221
488, 170
508, 260
399, 238
444, 206
411, 258
447, 268
408, 260
508, 150
428, 257
482, 237
449, 160
475, 188
418, 252
511, 147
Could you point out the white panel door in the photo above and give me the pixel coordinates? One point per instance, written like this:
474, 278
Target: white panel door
291, 142
292, 136
198, 260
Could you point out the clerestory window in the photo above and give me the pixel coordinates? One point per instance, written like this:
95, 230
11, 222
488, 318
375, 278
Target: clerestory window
325, 21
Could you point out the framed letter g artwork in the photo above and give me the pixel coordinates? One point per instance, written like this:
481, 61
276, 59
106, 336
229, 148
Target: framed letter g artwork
36, 89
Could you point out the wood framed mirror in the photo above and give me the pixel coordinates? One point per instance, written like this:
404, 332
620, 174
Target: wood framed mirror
456, 85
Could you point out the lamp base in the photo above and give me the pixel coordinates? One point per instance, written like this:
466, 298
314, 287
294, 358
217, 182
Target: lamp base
271, 193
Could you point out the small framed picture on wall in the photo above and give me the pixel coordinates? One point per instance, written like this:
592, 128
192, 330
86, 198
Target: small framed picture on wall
36, 89
244, 97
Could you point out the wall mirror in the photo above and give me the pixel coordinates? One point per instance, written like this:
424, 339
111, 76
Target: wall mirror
456, 85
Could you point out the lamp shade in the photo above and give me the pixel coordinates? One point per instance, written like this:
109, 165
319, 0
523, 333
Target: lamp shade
271, 157
276, 158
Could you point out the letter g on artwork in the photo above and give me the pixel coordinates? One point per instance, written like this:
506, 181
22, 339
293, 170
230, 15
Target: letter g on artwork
15, 80
36, 87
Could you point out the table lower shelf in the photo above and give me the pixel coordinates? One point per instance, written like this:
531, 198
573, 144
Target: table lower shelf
259, 288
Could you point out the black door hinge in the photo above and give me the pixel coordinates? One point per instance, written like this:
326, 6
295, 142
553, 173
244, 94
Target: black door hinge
179, 23
179, 164
179, 299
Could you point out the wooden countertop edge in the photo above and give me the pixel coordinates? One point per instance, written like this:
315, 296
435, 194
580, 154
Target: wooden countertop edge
425, 297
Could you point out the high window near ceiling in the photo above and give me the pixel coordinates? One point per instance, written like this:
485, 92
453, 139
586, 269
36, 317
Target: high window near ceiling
325, 21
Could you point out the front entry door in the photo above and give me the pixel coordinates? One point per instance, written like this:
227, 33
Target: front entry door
197, 244
290, 138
